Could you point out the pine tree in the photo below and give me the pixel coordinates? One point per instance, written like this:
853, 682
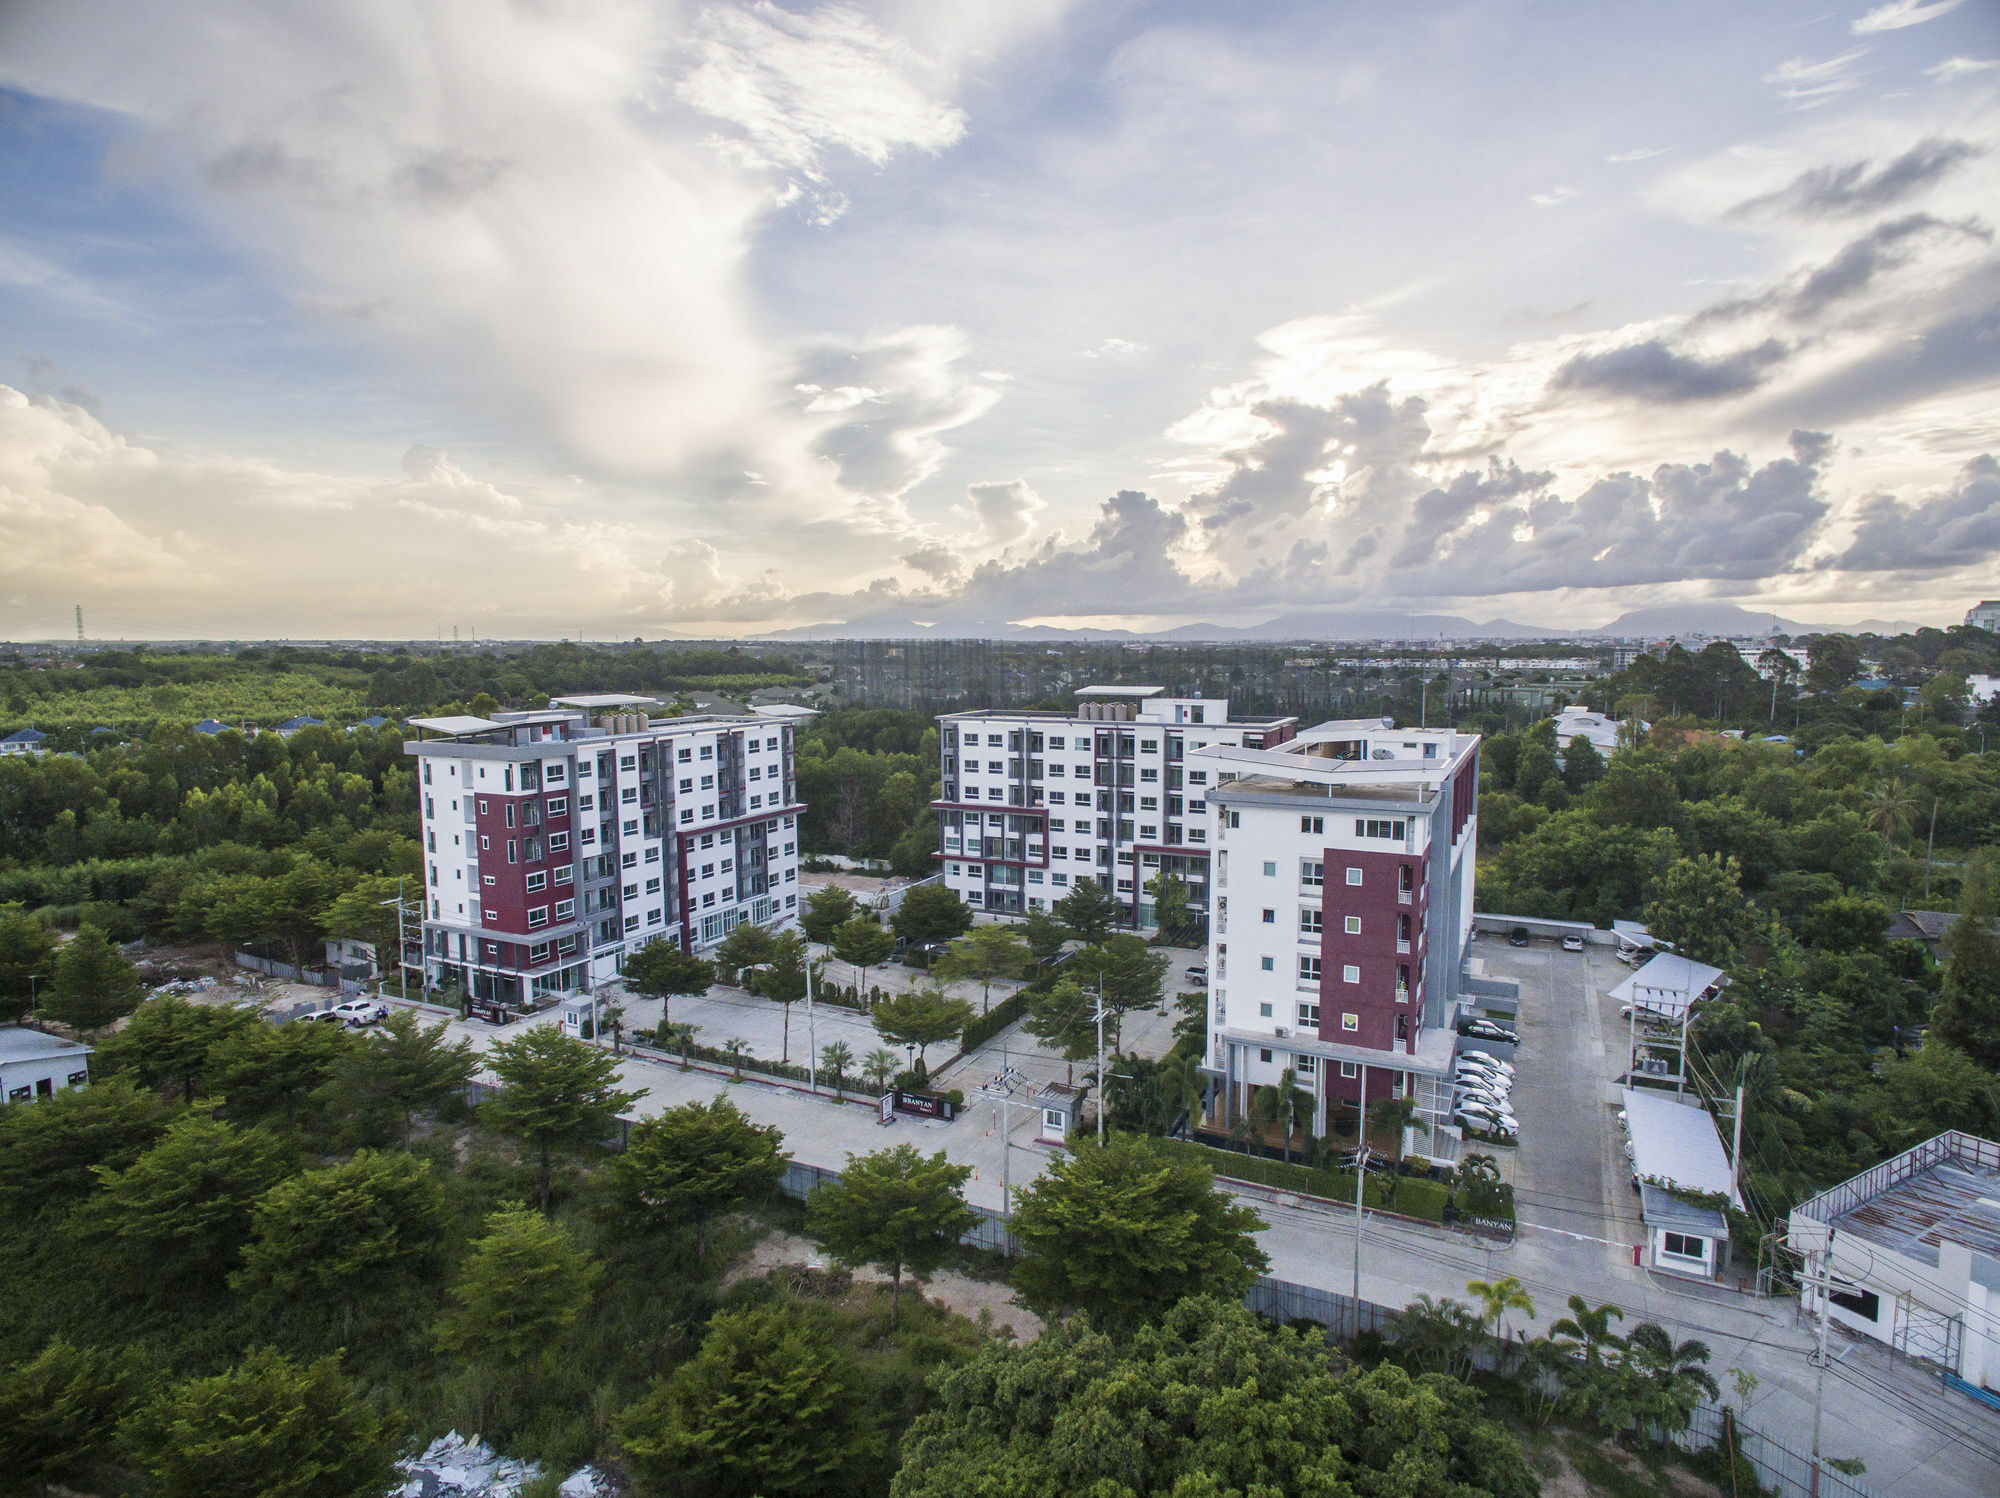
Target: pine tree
92, 984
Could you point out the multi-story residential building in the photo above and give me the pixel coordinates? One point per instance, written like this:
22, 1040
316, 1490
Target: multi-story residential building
556, 842
1343, 872
1031, 803
1984, 615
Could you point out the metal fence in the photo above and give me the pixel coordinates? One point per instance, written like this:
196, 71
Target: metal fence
1778, 1466
1343, 1316
990, 1233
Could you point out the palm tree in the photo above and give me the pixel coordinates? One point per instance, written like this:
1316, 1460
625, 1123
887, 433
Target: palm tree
1396, 1115
1437, 1334
1284, 1104
734, 1047
680, 1036
1587, 1329
835, 1057
1891, 808
1182, 1079
878, 1066
1497, 1298
1675, 1376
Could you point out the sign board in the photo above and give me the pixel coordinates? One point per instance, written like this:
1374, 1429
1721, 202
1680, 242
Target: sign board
492, 1013
887, 1106
923, 1104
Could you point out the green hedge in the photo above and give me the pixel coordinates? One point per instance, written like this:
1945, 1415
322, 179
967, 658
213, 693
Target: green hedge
1411, 1196
999, 1017
716, 1056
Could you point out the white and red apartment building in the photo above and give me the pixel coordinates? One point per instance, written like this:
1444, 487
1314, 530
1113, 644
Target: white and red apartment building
1032, 803
1343, 875
556, 842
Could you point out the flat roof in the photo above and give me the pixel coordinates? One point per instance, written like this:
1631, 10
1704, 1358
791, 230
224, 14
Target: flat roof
1676, 1143
1131, 692
1668, 984
18, 1043
603, 699
456, 725
1662, 1209
1958, 1198
1320, 791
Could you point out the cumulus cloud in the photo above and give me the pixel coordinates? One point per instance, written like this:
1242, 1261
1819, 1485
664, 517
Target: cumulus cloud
1897, 14
1005, 512
1956, 527
1653, 370
1860, 186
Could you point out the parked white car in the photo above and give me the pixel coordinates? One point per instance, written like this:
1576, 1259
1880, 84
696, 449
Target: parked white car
1483, 1062
1490, 1120
359, 1012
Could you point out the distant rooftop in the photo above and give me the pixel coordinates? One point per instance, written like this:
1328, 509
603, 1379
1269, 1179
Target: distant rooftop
18, 1044
1120, 691
456, 726
604, 699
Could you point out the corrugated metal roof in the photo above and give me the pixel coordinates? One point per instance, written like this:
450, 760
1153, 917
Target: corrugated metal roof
1955, 1199
1668, 984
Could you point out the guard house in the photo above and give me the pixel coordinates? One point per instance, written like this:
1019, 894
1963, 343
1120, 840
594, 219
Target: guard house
1912, 1249
1683, 1173
1061, 1104
34, 1065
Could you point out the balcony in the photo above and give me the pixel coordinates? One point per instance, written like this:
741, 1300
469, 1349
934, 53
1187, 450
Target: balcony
1402, 948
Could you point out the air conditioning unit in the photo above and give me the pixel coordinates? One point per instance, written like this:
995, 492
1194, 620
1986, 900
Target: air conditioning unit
1281, 1032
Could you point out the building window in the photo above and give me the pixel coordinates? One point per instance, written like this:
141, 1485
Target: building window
1686, 1246
558, 806
558, 842
513, 850
1309, 1016
1263, 1011
1312, 824
485, 843
539, 916
1349, 1069
1354, 925
1264, 1056
1310, 922
1309, 969
1369, 827
1350, 1021
1349, 973
1354, 876
1268, 964
565, 909
539, 952
1270, 917
537, 881
1270, 869
1312, 873
1306, 1066
1863, 1303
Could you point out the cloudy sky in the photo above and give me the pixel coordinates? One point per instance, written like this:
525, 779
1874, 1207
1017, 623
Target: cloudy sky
375, 317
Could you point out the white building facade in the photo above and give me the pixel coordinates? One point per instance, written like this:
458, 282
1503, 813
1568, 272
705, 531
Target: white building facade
34, 1065
1344, 862
557, 842
1032, 803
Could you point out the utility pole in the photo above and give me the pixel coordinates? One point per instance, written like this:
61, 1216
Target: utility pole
812, 1035
1930, 844
1736, 1129
1822, 1285
1101, 1088
402, 968
1360, 1176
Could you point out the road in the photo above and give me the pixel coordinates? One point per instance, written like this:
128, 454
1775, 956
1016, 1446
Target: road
1578, 1225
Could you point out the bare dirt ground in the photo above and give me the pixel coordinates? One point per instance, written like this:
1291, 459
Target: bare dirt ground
948, 1288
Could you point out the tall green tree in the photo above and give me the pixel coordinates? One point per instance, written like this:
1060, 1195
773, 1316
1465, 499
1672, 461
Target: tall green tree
1698, 905
59, 1415
332, 1236
92, 984
1205, 1399
747, 945
861, 944
1967, 1014
771, 1404
930, 912
1582, 765
1126, 970
266, 1072
896, 1210
921, 1017
1044, 935
788, 977
1673, 1376
689, 1164
983, 954
268, 1427
1065, 1016
1124, 1229
661, 970
1088, 911
48, 1153
169, 1042
522, 1285
183, 1208
825, 911
554, 1090
27, 951
399, 1070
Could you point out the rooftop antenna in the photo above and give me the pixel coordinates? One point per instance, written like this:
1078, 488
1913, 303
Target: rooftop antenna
79, 624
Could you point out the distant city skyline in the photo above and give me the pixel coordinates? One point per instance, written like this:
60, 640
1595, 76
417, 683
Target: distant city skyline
338, 320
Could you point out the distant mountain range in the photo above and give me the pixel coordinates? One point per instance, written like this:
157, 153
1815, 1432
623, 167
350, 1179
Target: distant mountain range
1714, 619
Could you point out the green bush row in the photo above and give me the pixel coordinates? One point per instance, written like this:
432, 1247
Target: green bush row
1411, 1196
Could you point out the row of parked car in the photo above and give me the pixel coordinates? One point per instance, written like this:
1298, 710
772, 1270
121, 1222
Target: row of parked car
1481, 1089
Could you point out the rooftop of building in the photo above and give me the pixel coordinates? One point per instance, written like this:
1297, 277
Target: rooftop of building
1120, 691
1947, 1188
20, 1044
1668, 983
1674, 1144
1307, 790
